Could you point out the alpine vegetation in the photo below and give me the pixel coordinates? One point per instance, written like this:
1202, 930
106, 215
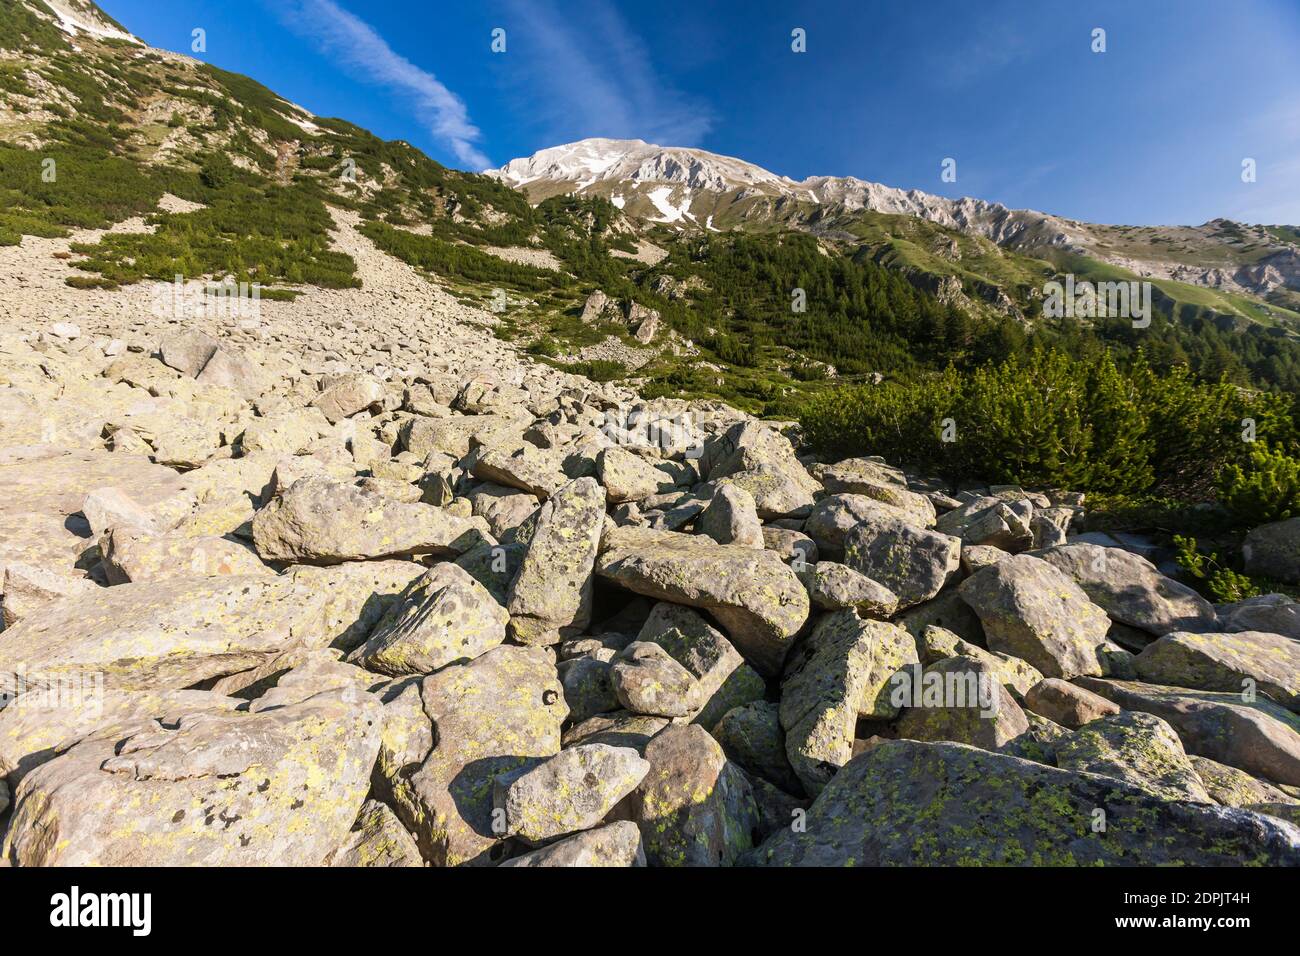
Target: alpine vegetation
624, 505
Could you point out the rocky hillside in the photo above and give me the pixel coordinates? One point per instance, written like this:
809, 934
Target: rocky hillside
368, 616
362, 572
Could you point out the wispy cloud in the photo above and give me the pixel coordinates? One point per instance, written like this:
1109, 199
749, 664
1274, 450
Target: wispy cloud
357, 47
592, 76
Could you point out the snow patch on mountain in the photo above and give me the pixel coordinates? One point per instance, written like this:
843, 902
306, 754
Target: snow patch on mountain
77, 18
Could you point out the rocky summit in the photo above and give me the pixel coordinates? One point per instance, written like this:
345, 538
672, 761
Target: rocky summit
363, 572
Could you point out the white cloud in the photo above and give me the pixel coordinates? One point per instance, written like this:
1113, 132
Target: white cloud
590, 75
356, 45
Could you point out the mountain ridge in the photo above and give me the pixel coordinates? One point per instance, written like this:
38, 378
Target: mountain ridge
690, 187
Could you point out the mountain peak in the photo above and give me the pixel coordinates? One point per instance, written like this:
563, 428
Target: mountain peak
83, 18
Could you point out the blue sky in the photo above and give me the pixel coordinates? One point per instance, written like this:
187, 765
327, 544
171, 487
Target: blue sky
1154, 130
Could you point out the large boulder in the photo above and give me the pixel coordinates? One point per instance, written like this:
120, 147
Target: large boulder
444, 617
550, 597
1140, 749
731, 518
722, 679
1271, 613
571, 791
1130, 589
629, 477
751, 735
1017, 676
139, 556
841, 671
913, 562
449, 736
991, 522
834, 516
961, 699
1261, 738
281, 787
751, 593
694, 807
1031, 610
1239, 662
616, 844
1273, 551
170, 633
908, 803
1067, 704
319, 521
833, 586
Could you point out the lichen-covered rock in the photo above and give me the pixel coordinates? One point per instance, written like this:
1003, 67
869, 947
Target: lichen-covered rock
1235, 788
1067, 704
647, 680
377, 839
1233, 663
588, 689
615, 844
629, 477
841, 671
751, 593
491, 716
832, 518
1031, 610
1261, 737
349, 394
550, 597
723, 679
912, 803
731, 518
961, 699
1130, 589
444, 617
503, 508
37, 727
694, 807
857, 476
277, 787
913, 562
135, 556
1140, 749
170, 633
356, 595
574, 790
751, 735
538, 471
319, 521
1273, 551
832, 586
1271, 613
1016, 676
989, 521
